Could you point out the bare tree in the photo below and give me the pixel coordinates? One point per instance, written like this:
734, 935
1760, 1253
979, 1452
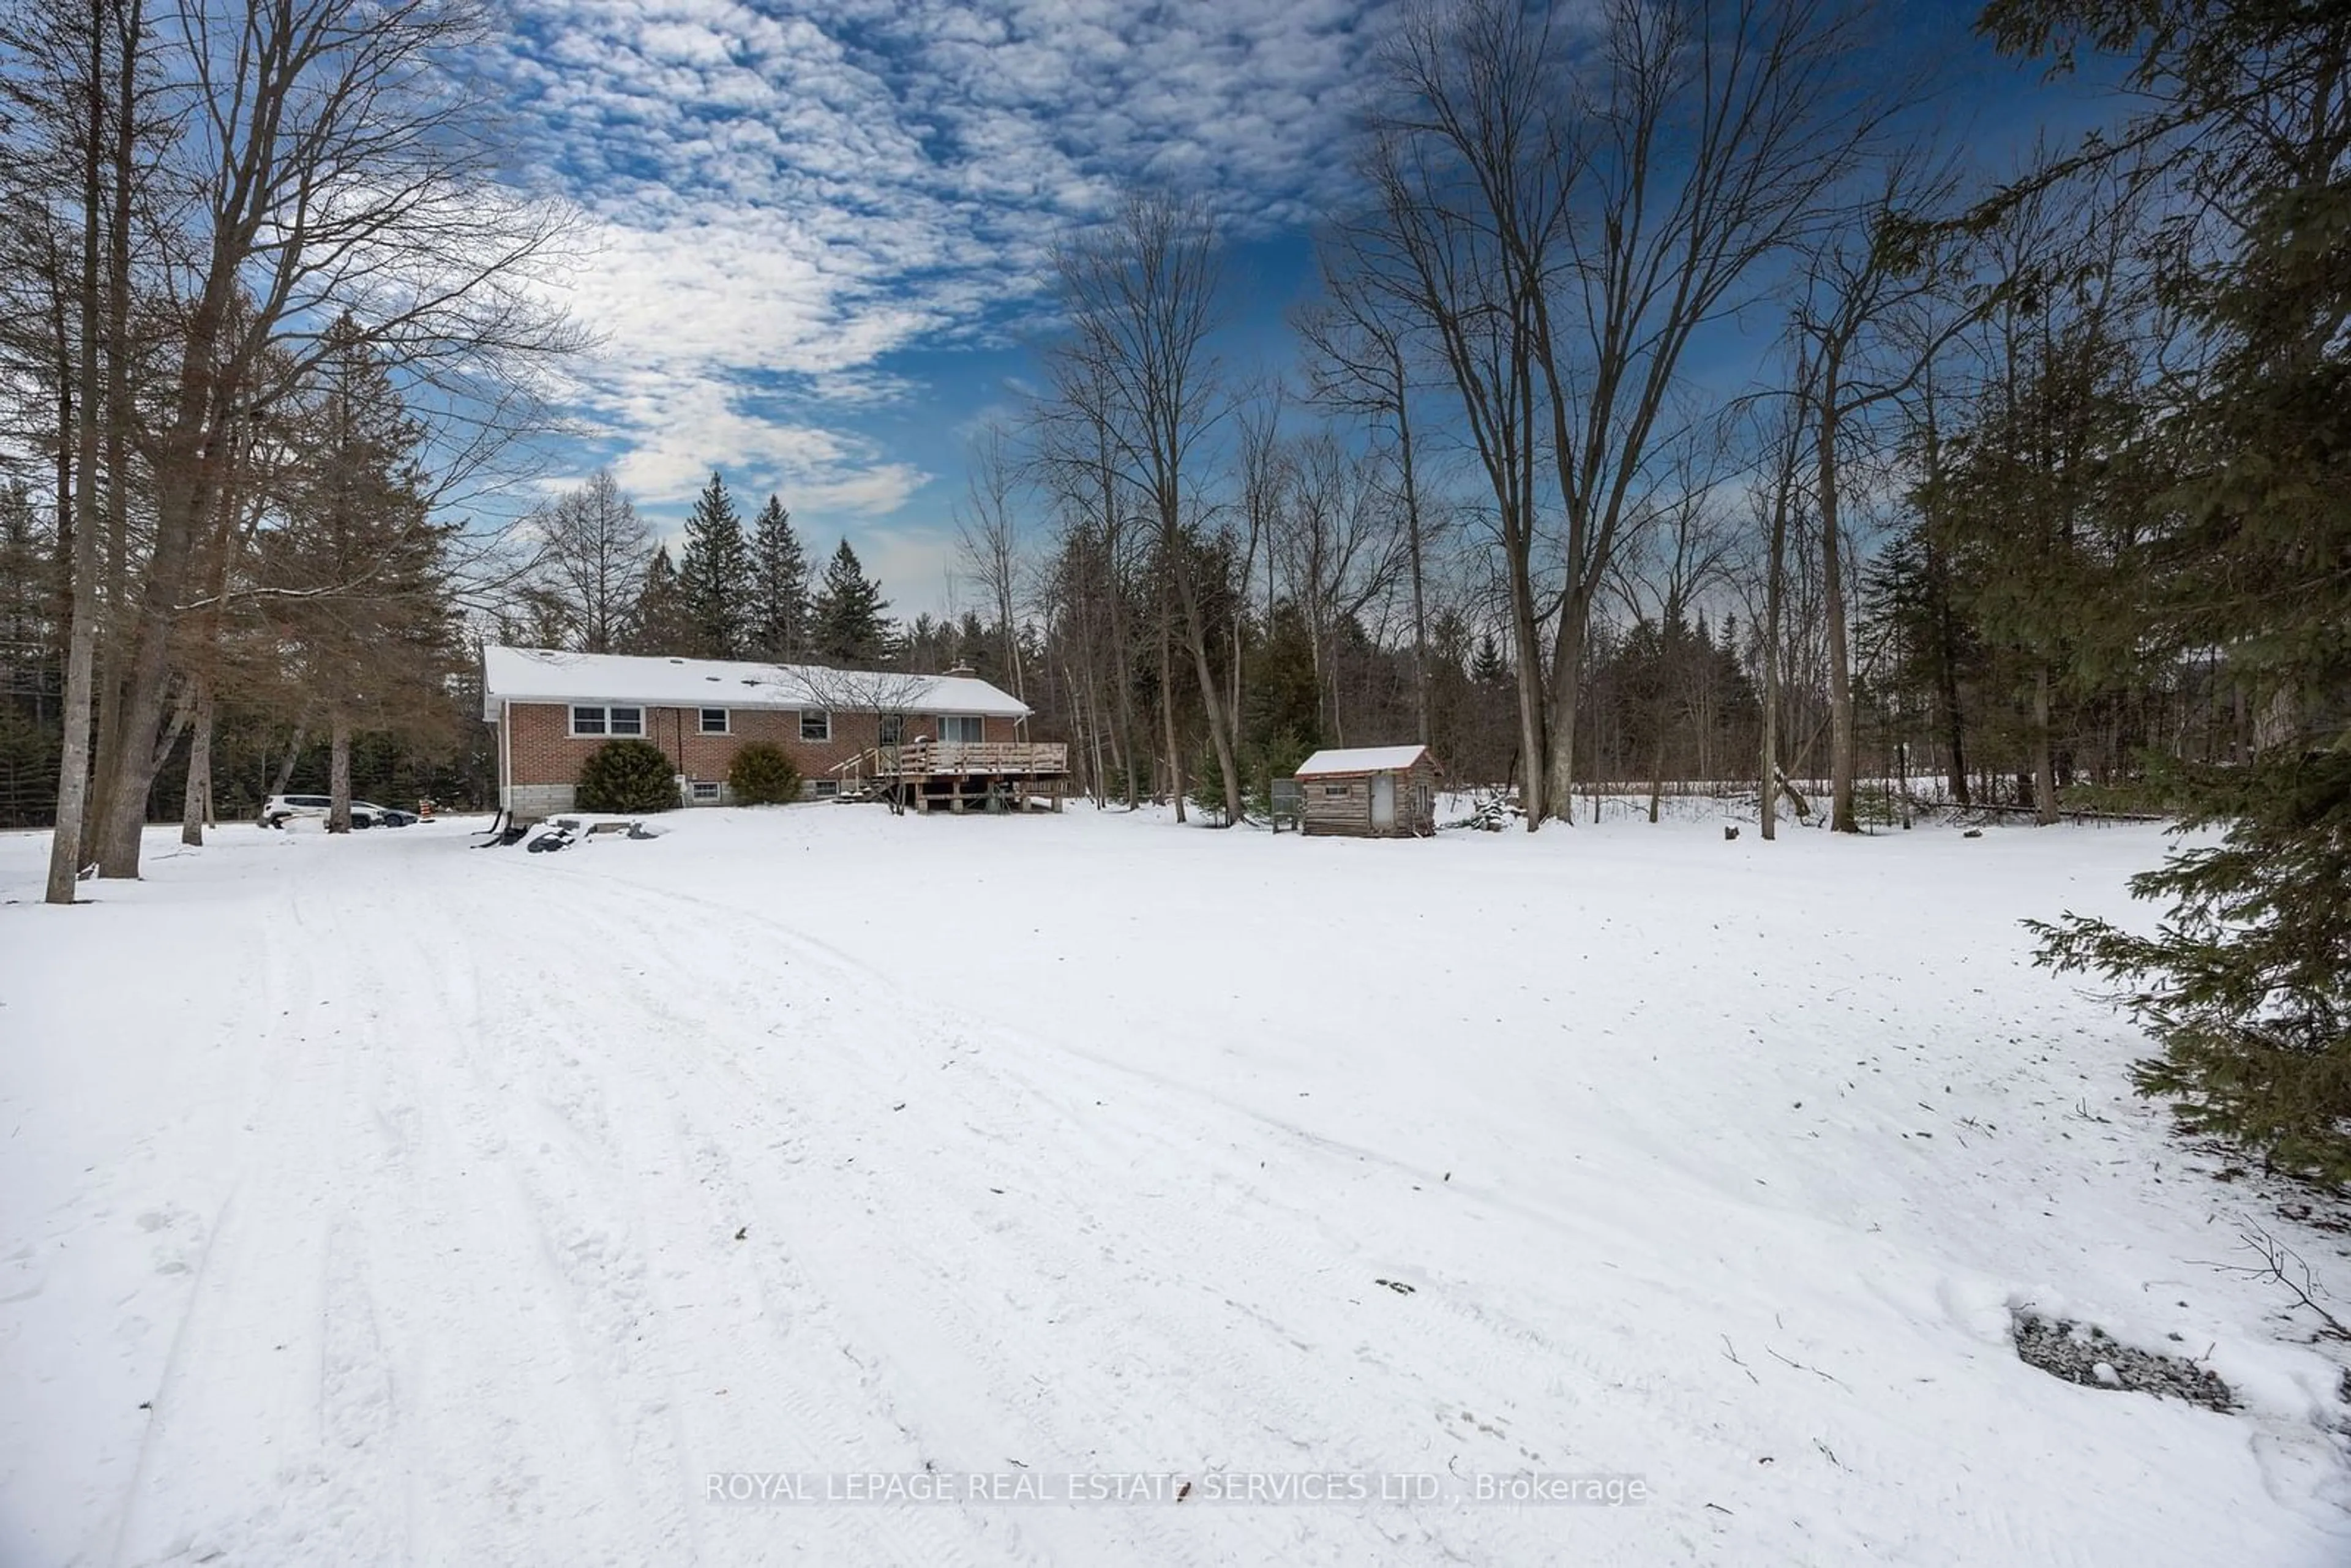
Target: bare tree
891, 696
1142, 296
1358, 360
1341, 549
77, 515
321, 166
1864, 283
1611, 188
593, 549
1081, 462
988, 537
1467, 169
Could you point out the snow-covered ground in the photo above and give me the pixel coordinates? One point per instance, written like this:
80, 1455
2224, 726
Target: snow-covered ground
379, 1200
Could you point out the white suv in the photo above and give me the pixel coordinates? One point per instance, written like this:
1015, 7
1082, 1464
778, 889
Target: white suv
278, 810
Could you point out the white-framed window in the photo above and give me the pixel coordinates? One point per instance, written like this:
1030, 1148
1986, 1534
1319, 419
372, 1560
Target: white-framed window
1337, 791
894, 729
823, 788
596, 720
714, 721
961, 729
702, 791
816, 727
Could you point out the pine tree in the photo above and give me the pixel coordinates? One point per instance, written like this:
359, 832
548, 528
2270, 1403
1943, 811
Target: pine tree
2247, 986
845, 620
715, 575
780, 587
659, 624
365, 609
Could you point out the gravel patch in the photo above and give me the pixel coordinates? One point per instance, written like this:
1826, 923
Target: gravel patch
2089, 1356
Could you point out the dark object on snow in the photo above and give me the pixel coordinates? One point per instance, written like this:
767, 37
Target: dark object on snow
2087, 1356
550, 841
1729, 832
1398, 1286
503, 830
1972, 834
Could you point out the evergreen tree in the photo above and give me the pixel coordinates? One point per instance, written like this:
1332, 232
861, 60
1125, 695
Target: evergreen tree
660, 623
780, 587
845, 620
715, 575
2247, 986
364, 609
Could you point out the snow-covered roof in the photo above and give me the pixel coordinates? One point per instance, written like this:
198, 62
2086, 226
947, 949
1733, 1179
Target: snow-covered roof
1361, 760
551, 676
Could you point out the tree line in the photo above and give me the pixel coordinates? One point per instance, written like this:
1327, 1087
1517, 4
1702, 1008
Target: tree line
599, 583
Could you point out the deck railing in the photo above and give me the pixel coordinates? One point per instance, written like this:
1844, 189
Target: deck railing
927, 759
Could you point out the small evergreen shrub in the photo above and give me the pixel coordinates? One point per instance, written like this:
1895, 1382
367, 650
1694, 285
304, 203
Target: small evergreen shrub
2246, 983
761, 775
627, 776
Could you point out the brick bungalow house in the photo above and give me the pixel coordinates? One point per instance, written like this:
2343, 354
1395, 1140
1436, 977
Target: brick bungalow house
932, 735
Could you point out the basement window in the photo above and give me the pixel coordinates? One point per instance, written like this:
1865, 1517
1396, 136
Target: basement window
714, 721
702, 791
594, 721
816, 727
823, 789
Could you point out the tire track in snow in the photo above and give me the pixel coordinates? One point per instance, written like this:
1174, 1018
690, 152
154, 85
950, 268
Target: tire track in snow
1164, 1356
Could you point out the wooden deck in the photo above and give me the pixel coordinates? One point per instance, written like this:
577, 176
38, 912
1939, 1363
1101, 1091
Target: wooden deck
958, 775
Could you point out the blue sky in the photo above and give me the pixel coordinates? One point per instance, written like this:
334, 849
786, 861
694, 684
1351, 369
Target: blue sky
814, 232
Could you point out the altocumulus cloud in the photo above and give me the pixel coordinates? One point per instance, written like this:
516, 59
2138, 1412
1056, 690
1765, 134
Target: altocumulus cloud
778, 197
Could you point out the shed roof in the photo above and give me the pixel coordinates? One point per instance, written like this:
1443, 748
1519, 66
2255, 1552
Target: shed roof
1362, 759
552, 676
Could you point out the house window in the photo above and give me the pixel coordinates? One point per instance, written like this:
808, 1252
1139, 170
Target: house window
714, 721
1337, 791
816, 727
702, 791
894, 729
959, 729
825, 788
602, 720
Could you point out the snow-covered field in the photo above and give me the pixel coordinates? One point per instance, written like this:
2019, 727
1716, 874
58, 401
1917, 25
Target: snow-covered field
378, 1200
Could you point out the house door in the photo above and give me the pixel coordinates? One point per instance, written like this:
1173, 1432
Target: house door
1383, 800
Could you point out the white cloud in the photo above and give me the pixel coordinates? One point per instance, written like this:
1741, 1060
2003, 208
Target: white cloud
780, 198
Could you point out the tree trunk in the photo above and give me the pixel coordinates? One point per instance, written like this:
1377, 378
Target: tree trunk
1841, 819
293, 757
196, 807
1566, 706
1167, 690
77, 520
1210, 698
1413, 546
2045, 764
1775, 577
339, 777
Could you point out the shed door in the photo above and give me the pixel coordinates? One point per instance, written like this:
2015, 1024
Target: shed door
1383, 799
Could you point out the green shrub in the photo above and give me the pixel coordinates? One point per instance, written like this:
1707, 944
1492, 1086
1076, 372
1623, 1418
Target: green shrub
627, 776
761, 775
